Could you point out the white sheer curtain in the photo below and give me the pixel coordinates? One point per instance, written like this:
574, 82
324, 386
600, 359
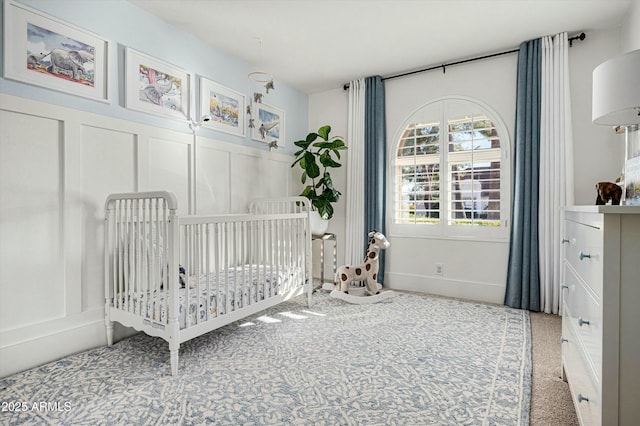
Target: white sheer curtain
355, 174
556, 166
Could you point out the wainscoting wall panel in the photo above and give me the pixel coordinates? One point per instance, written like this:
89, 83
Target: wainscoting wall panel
31, 267
107, 165
214, 178
170, 169
57, 166
266, 178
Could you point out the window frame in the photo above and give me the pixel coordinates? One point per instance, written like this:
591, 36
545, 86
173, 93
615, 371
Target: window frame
443, 230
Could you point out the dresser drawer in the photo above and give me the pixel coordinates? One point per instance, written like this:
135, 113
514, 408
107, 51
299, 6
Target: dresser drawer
584, 312
583, 251
585, 389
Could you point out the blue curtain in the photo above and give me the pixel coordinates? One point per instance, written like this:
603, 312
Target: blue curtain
523, 280
375, 161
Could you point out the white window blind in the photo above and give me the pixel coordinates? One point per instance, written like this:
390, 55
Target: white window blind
450, 171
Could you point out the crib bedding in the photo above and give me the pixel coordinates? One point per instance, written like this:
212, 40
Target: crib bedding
249, 282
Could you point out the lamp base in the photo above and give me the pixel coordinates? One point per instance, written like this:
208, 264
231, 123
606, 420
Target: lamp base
631, 170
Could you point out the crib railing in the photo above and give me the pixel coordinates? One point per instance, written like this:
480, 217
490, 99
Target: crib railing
148, 248
139, 252
252, 257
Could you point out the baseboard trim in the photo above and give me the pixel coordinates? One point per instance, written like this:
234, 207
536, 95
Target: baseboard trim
30, 353
481, 292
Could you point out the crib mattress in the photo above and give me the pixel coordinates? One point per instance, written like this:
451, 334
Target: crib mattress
230, 290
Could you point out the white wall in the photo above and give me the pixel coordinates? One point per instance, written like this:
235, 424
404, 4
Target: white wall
330, 108
476, 269
598, 151
473, 269
631, 28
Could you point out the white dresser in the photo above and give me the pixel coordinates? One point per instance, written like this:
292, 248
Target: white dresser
601, 313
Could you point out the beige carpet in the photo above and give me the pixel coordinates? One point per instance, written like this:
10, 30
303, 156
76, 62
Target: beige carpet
550, 398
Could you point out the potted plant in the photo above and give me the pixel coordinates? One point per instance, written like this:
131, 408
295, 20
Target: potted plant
318, 153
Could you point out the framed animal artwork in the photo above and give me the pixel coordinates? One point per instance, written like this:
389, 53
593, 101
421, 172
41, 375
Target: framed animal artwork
47, 52
156, 87
225, 106
267, 124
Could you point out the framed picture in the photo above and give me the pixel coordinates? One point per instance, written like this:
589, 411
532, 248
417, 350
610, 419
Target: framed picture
156, 87
45, 51
268, 123
225, 106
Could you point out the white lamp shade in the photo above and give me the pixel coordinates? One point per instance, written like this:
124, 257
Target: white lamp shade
616, 91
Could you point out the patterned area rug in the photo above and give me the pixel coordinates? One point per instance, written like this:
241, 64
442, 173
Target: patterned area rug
411, 360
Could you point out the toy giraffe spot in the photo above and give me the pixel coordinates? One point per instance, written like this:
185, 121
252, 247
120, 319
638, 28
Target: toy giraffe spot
372, 255
344, 277
358, 271
368, 267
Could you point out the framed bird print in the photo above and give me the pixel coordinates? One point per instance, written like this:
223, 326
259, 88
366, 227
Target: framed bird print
267, 123
156, 87
48, 52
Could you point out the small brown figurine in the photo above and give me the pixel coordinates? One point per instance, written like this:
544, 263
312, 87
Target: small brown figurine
608, 191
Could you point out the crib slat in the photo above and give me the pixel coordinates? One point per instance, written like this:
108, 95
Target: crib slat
216, 265
162, 304
207, 271
200, 260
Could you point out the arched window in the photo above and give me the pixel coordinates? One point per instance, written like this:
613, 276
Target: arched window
451, 172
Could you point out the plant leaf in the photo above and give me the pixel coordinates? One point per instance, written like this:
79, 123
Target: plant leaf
324, 132
310, 165
323, 145
311, 137
326, 179
309, 192
338, 144
302, 144
325, 211
327, 161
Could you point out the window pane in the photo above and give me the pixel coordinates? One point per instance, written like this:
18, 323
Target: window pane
418, 195
475, 193
418, 189
468, 143
472, 132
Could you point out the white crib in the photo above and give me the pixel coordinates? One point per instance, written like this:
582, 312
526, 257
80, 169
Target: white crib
180, 276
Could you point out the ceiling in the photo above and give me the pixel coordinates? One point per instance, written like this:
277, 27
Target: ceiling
318, 45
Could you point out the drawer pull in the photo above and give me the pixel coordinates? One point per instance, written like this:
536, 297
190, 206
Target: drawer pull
564, 240
582, 322
582, 398
563, 340
584, 256
563, 287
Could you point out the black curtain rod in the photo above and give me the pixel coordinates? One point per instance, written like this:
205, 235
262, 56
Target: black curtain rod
580, 37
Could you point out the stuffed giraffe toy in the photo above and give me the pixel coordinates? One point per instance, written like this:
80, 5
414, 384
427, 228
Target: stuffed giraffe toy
368, 271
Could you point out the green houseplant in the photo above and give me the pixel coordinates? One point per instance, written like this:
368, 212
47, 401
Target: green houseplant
318, 153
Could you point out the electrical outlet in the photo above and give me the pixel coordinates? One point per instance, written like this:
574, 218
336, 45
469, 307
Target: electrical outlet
439, 269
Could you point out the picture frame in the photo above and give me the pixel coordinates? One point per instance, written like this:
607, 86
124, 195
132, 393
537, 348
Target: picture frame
226, 107
45, 51
268, 123
156, 87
